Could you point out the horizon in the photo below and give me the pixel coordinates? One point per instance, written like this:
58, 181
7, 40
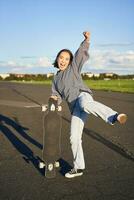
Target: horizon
83, 72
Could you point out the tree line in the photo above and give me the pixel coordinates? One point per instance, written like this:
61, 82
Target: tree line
43, 77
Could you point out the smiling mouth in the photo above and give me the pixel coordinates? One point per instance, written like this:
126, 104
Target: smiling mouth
62, 65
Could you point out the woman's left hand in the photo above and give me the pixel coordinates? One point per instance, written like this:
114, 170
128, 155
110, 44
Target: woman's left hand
86, 35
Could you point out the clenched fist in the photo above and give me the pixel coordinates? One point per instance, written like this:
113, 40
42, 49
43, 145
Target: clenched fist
86, 35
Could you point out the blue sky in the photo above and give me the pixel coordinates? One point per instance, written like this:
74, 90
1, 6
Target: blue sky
33, 31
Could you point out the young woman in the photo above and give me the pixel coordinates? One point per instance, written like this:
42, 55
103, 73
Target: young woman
68, 85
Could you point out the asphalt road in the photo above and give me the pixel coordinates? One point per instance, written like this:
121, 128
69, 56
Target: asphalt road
108, 150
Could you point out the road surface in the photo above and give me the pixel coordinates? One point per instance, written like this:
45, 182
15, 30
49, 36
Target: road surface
108, 150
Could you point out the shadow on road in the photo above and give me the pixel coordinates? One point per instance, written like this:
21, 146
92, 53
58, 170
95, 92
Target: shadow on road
27, 153
22, 148
20, 129
118, 148
65, 166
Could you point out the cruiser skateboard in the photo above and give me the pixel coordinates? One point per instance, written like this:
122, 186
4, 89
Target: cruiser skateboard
51, 138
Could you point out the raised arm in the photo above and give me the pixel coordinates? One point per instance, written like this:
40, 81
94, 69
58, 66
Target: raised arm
81, 55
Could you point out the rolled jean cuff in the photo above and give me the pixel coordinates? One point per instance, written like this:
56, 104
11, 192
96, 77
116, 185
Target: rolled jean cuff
112, 119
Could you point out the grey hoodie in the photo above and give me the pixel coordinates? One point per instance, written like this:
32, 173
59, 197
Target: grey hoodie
68, 84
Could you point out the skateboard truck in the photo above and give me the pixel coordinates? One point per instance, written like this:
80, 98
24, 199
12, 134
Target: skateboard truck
52, 106
42, 164
44, 108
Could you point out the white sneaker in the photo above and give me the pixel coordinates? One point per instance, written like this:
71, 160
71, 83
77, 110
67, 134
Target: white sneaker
74, 173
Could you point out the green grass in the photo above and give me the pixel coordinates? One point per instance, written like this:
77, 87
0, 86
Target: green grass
120, 85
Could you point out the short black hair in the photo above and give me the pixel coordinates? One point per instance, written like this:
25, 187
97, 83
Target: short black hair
63, 50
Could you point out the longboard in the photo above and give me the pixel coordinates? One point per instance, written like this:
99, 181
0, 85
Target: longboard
51, 138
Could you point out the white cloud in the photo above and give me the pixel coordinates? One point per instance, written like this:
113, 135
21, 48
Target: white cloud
43, 62
126, 44
104, 59
101, 60
24, 65
11, 63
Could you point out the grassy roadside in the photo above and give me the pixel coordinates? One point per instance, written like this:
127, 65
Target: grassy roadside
120, 85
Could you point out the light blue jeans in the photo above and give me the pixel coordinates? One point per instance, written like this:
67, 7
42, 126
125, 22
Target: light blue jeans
85, 105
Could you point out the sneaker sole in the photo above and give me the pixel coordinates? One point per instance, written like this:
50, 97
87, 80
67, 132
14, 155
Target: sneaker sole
74, 175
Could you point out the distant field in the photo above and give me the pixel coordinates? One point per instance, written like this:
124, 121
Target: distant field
120, 85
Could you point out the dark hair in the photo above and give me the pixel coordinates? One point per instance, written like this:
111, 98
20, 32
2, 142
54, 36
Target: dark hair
63, 50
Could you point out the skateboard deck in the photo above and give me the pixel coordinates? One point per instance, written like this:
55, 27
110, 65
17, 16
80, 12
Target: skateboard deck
51, 139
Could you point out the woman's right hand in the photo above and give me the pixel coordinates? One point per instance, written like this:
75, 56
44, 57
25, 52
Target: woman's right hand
54, 97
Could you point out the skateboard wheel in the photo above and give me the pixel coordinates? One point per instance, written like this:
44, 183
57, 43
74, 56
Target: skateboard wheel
44, 108
50, 167
41, 165
52, 107
59, 108
57, 164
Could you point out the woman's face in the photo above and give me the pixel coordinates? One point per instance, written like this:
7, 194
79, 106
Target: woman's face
63, 60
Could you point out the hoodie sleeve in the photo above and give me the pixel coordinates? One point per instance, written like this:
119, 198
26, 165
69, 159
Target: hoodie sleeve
81, 55
56, 93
